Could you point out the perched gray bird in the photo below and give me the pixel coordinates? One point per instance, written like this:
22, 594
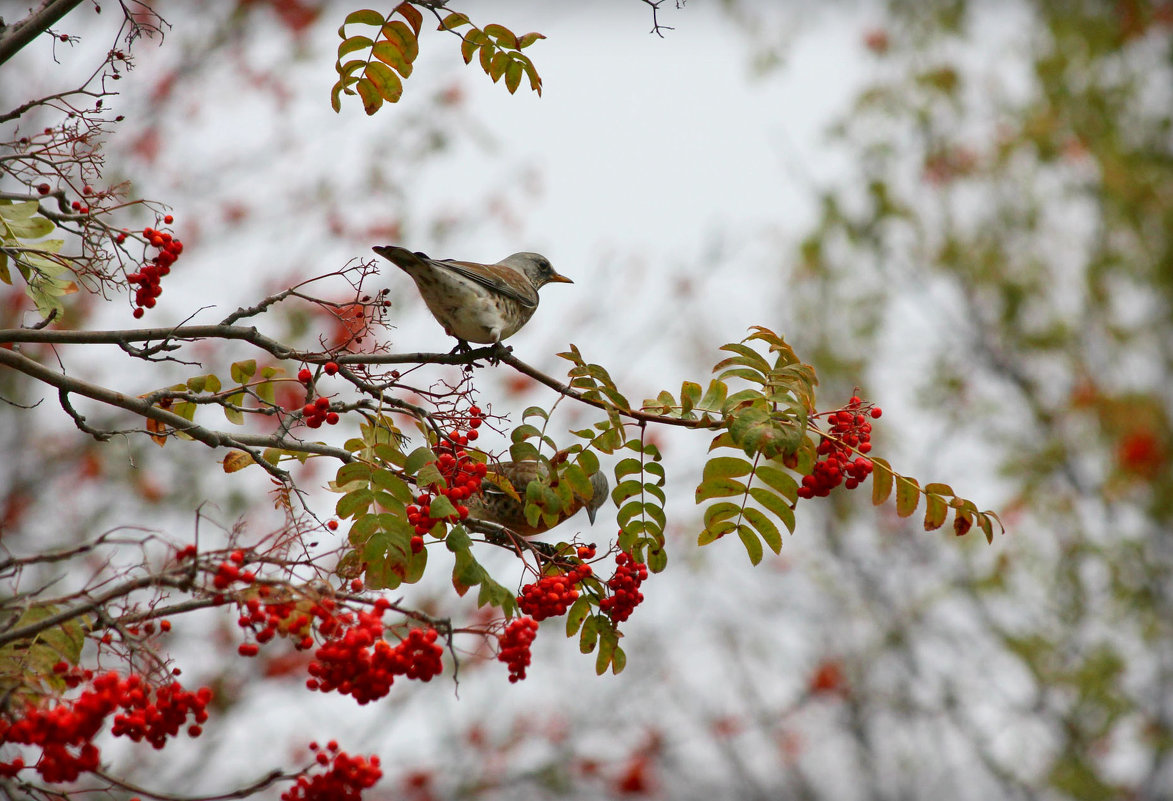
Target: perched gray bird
484, 303
497, 506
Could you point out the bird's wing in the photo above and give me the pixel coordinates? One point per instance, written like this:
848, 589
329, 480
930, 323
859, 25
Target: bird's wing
500, 279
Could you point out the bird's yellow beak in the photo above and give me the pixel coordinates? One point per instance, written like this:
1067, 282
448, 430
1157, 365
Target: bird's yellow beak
555, 278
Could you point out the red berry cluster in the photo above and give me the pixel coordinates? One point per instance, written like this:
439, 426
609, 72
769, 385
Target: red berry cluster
64, 732
513, 646
551, 596
229, 572
344, 780
462, 477
624, 585
150, 275
317, 411
266, 619
357, 661
850, 432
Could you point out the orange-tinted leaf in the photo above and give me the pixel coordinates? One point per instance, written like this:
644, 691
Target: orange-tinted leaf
527, 39
936, 512
412, 15
236, 460
401, 36
385, 80
372, 101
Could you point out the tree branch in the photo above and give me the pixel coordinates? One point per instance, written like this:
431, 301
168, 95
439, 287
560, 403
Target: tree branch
13, 38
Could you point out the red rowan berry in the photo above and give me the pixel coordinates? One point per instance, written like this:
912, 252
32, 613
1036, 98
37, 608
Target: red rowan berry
43, 189
330, 368
332, 525
168, 219
304, 375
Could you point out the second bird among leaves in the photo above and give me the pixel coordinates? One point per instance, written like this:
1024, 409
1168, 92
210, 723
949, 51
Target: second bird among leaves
495, 505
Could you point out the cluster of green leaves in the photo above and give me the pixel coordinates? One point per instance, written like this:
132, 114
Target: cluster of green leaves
764, 434
375, 495
38, 262
639, 493
184, 399
392, 49
499, 51
35, 657
374, 66
595, 629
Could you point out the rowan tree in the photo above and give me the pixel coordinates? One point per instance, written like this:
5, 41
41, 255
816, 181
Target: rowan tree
301, 387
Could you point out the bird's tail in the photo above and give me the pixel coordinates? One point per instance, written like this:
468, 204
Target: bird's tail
402, 257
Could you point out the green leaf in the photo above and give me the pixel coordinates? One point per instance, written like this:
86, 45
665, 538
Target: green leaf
354, 503
775, 505
504, 36
513, 73
753, 545
351, 472
417, 459
577, 613
779, 481
364, 17
453, 21
936, 512
881, 481
768, 531
527, 39
242, 371
719, 488
354, 44
393, 56
907, 495
725, 467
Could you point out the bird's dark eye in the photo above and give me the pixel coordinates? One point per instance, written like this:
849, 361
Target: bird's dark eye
545, 266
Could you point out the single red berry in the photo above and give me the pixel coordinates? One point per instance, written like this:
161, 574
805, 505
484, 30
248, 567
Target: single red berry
44, 189
876, 412
304, 375
322, 403
168, 219
75, 205
332, 418
330, 368
332, 525
138, 312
